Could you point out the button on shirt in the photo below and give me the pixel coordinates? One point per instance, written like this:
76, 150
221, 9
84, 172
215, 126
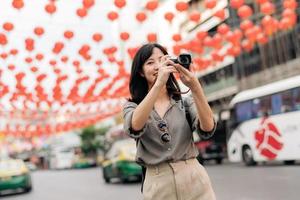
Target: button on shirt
151, 150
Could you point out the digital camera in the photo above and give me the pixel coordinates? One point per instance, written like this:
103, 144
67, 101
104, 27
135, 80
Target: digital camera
183, 59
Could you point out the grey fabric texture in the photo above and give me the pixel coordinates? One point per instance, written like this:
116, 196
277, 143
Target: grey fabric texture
151, 150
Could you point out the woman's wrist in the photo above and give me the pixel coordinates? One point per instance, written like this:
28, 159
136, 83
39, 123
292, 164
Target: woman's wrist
195, 86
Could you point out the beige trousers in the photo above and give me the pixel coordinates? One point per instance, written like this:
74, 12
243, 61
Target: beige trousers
183, 180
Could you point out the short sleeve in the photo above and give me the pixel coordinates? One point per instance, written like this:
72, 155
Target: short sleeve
128, 110
191, 108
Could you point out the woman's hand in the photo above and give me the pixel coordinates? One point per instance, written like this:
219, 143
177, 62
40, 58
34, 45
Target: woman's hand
165, 68
187, 77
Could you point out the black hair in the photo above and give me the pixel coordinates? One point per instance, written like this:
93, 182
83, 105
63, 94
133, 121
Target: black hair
138, 85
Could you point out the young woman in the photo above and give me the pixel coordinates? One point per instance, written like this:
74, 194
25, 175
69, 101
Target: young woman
158, 118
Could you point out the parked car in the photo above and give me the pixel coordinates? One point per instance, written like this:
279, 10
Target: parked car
14, 175
84, 162
120, 162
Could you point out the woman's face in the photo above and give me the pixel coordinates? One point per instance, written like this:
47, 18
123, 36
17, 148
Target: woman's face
151, 66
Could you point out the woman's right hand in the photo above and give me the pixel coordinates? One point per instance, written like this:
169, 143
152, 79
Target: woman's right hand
165, 68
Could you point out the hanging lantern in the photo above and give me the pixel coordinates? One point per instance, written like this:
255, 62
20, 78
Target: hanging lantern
201, 35
38, 31
18, 4
29, 44
181, 6
64, 59
210, 4
120, 3
141, 16
246, 24
236, 3
124, 36
151, 37
8, 26
112, 15
58, 47
97, 37
267, 8
176, 37
68, 34
88, 3
50, 8
195, 16
261, 1
14, 52
223, 29
245, 11
169, 16
291, 4
39, 56
81, 12
3, 39
220, 14
152, 5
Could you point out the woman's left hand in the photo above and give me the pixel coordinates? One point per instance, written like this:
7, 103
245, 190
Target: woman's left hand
186, 76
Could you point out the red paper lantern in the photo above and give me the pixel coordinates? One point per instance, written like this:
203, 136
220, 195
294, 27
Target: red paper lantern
11, 67
39, 31
181, 6
39, 56
246, 24
195, 16
291, 4
210, 4
58, 47
97, 37
50, 8
3, 39
236, 3
267, 8
152, 5
64, 59
220, 14
176, 37
88, 3
112, 15
34, 69
29, 44
28, 60
120, 3
81, 12
68, 34
247, 45
141, 16
245, 11
124, 36
201, 35
261, 1
18, 4
14, 52
151, 37
169, 16
223, 29
8, 26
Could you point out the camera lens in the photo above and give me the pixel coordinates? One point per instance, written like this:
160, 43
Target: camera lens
184, 59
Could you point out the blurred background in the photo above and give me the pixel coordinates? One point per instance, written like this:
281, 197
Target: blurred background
64, 74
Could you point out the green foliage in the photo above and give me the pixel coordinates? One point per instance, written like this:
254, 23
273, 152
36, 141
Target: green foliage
92, 139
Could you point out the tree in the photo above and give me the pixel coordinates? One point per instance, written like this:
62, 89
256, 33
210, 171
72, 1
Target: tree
92, 139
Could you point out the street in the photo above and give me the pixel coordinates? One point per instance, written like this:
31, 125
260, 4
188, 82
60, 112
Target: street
230, 181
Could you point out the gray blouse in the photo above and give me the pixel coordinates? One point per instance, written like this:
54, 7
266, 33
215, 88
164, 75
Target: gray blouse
151, 149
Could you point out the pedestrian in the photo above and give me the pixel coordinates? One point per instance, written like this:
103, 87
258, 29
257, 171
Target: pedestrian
162, 123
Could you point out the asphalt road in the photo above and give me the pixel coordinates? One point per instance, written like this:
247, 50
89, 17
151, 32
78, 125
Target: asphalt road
230, 182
